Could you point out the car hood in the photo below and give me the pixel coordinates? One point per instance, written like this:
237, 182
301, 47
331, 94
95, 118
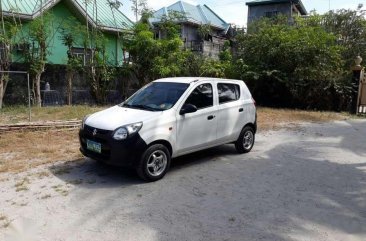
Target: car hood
114, 117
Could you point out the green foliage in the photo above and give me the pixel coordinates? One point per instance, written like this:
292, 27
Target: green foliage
204, 31
349, 28
8, 32
299, 65
39, 32
155, 58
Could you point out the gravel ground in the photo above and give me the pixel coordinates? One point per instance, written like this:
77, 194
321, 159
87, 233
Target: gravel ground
307, 183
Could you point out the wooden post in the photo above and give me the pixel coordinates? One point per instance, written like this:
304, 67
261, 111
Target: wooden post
359, 91
355, 84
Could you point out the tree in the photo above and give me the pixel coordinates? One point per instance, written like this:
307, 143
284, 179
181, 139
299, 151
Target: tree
139, 7
9, 29
349, 26
39, 32
291, 65
69, 37
153, 58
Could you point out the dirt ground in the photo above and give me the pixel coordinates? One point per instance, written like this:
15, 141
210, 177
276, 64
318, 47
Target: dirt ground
303, 183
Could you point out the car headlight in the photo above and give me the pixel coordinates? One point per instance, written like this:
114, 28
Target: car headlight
83, 122
122, 133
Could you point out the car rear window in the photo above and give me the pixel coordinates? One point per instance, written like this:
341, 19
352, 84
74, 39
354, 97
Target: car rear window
228, 92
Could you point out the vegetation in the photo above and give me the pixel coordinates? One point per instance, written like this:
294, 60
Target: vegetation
154, 58
74, 64
39, 33
8, 32
303, 65
292, 66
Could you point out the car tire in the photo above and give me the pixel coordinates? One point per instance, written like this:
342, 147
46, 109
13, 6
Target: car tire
154, 163
246, 140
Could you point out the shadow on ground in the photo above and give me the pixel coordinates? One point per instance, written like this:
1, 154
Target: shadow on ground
307, 188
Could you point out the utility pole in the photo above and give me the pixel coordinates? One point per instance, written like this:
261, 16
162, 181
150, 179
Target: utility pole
136, 10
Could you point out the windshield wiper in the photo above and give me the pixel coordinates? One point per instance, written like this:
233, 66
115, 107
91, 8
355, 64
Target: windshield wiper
143, 107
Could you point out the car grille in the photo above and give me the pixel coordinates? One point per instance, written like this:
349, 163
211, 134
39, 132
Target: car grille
101, 136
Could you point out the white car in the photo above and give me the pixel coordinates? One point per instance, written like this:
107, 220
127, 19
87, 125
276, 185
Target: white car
169, 118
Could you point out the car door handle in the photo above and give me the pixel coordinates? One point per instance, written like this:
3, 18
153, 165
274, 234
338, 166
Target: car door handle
241, 110
211, 117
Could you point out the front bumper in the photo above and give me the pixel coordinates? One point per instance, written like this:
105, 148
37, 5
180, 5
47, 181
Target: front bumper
117, 153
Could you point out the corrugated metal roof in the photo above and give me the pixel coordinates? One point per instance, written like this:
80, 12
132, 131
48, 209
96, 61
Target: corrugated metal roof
200, 14
105, 16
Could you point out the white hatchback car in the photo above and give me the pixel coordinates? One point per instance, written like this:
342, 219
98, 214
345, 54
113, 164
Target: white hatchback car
169, 118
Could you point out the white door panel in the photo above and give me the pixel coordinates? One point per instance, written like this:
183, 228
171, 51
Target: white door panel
231, 118
198, 130
195, 130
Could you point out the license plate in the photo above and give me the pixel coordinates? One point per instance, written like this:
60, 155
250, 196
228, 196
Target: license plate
94, 146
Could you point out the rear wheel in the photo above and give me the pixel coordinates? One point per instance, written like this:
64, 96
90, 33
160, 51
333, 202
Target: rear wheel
154, 163
245, 142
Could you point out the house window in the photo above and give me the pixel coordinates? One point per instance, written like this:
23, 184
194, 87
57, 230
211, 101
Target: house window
271, 14
22, 47
84, 54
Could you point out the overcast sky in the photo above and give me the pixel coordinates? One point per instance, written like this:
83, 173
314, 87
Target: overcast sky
235, 11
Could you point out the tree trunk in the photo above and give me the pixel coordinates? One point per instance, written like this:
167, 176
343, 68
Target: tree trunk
37, 90
2, 92
69, 77
3, 83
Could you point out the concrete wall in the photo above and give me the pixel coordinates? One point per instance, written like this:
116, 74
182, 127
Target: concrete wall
190, 33
259, 11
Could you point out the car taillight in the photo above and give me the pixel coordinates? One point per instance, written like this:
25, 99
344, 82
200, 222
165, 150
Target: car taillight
255, 103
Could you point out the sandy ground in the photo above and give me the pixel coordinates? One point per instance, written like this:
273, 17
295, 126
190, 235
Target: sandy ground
308, 183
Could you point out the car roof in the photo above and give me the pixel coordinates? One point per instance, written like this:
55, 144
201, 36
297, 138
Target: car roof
188, 80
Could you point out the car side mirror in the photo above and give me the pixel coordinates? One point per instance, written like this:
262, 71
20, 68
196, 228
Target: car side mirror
188, 108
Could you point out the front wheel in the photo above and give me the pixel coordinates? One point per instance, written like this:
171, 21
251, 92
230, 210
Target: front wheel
245, 142
154, 163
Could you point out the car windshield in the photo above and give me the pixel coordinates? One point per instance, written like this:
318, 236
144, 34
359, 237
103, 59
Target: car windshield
157, 96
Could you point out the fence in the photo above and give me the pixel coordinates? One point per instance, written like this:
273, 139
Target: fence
54, 91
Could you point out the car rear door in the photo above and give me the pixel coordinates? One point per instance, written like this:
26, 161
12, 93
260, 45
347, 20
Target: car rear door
198, 130
230, 112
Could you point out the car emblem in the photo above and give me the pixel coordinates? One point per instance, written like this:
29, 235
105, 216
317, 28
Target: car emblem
95, 132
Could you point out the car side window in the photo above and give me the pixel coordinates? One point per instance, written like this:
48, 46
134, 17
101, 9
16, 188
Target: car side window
201, 97
228, 92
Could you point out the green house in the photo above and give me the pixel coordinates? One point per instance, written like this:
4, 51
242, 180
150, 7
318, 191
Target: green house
99, 14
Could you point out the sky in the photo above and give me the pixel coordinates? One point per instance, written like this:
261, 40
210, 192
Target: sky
235, 11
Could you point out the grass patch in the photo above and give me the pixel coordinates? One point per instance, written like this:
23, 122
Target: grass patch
46, 196
22, 185
4, 221
75, 182
17, 114
24, 150
274, 119
59, 189
62, 170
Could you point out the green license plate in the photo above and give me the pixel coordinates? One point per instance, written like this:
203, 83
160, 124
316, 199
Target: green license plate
94, 146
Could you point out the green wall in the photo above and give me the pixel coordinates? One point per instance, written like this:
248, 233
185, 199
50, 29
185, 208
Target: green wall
58, 51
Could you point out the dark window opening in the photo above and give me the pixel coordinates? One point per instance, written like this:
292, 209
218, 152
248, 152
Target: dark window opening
201, 97
271, 14
228, 92
84, 54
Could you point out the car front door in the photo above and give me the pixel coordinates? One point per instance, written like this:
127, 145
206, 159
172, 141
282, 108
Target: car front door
198, 130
